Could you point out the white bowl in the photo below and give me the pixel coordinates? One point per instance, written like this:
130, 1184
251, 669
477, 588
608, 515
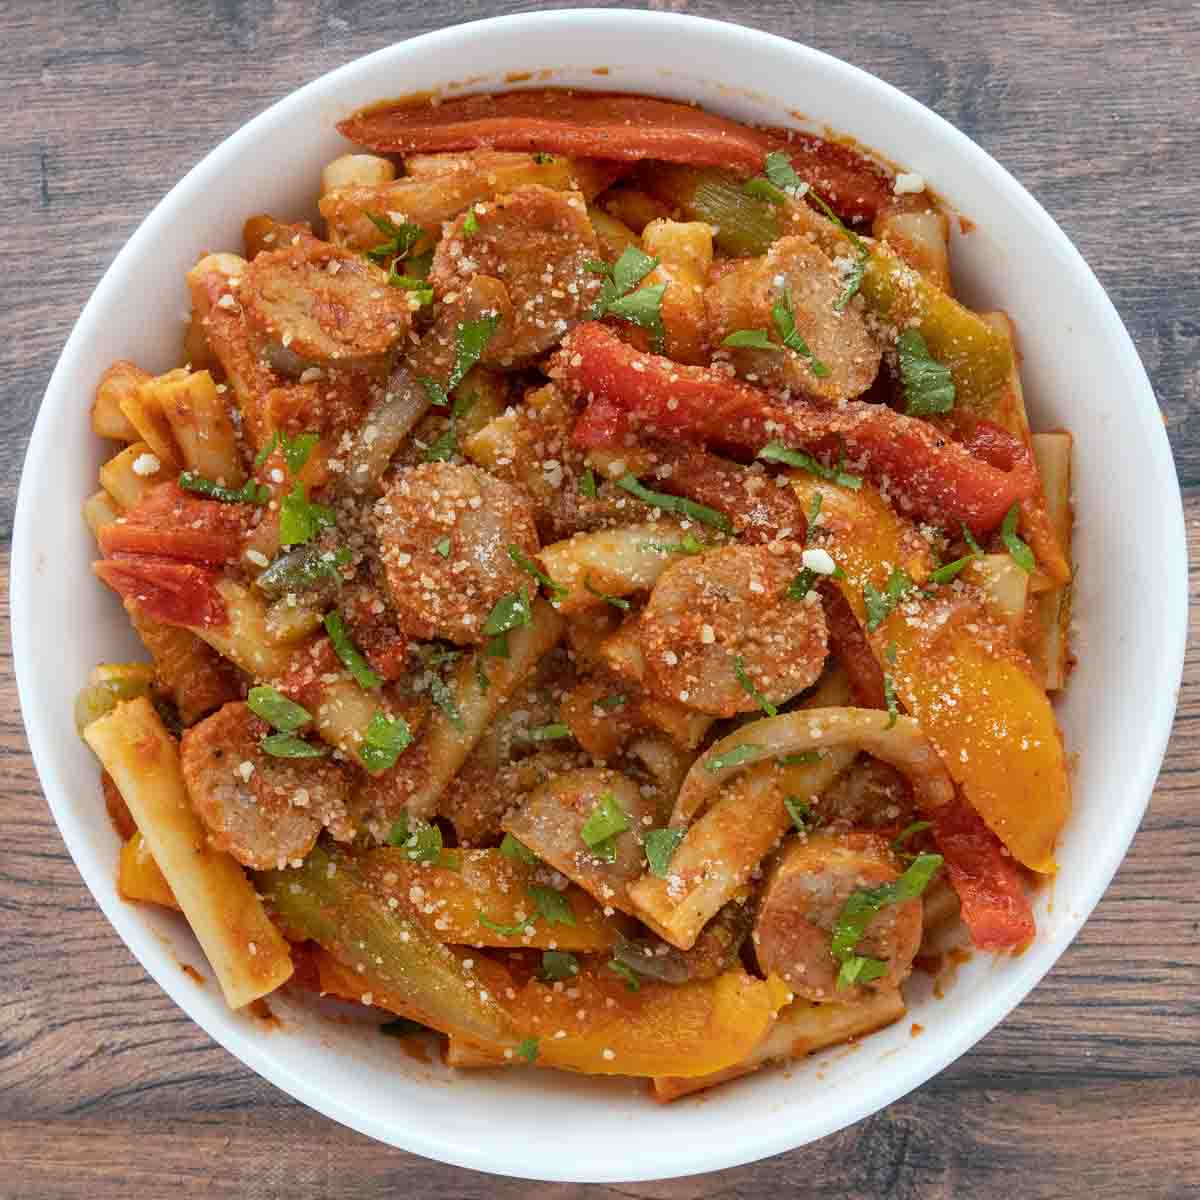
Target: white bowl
1080, 370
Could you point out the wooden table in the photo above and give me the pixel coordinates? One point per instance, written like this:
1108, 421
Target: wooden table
1090, 1089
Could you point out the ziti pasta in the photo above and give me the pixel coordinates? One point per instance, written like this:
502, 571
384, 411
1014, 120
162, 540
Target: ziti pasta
601, 588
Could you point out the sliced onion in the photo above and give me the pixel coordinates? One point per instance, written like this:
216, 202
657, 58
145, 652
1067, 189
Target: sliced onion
900, 743
386, 426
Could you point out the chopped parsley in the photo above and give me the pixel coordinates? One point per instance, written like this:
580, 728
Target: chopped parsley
805, 581
750, 339
617, 296
551, 904
600, 830
420, 841
556, 590
855, 277
509, 612
442, 547
558, 965
470, 225
421, 288
385, 740
296, 450
803, 817
301, 519
803, 759
909, 831
1021, 553
445, 446
528, 1050
470, 341
950, 571
784, 317
288, 745
862, 906
689, 545
660, 846
746, 752
889, 698
587, 484
517, 929
739, 670
348, 653
250, 492
515, 849
880, 604
928, 387
608, 703
277, 710
400, 239
764, 189
626, 972
443, 697
550, 733
778, 452
542, 158
675, 504
615, 601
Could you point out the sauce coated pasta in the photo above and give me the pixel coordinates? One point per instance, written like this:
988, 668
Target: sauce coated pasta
601, 590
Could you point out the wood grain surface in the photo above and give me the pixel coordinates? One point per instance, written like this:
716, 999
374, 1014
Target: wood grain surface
1092, 1088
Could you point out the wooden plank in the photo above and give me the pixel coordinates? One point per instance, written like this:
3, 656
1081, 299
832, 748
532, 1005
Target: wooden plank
1090, 1088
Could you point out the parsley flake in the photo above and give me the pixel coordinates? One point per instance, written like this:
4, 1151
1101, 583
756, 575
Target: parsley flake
1021, 553
615, 601
512, 848
443, 697
277, 710
739, 671
558, 965
296, 450
556, 590
251, 492
778, 452
400, 239
528, 1050
784, 316
516, 929
880, 604
442, 547
619, 299
855, 276
660, 846
676, 504
746, 752
385, 740
587, 484
288, 745
470, 341
889, 697
632, 982
351, 658
551, 904
928, 387
470, 225
909, 831
550, 733
600, 830
301, 519
802, 815
750, 339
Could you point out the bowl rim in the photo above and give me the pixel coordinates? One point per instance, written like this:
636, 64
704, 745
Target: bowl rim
44, 729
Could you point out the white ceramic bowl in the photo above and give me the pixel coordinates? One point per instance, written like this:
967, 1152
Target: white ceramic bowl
1081, 371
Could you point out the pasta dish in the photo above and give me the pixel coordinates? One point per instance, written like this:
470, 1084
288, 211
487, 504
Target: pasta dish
601, 591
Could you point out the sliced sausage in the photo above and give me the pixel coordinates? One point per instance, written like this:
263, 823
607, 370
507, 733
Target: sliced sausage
537, 242
311, 304
707, 612
265, 811
745, 298
551, 821
807, 887
444, 533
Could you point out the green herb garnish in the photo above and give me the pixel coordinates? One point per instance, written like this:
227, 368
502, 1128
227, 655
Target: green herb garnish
443, 697
470, 341
1021, 553
277, 710
470, 225
442, 547
880, 604
296, 450
351, 658
512, 848
784, 317
288, 745
558, 965
550, 733
556, 590
909, 831
250, 492
542, 158
855, 277
928, 386
587, 484
626, 972
862, 906
889, 698
689, 545
400, 238
660, 846
552, 904
615, 601
528, 1049
746, 752
617, 296
385, 740
803, 759
803, 817
750, 339
301, 519
778, 452
517, 929
600, 830
676, 504
804, 583
859, 968
509, 612
739, 670
616, 700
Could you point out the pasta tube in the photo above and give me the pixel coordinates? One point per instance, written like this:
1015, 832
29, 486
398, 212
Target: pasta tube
246, 951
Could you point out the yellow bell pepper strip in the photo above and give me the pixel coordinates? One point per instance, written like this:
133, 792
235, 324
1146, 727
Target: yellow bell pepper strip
483, 899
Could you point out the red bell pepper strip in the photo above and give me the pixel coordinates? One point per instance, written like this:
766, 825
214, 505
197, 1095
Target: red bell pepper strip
172, 523
995, 908
170, 592
623, 128
849, 645
930, 476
